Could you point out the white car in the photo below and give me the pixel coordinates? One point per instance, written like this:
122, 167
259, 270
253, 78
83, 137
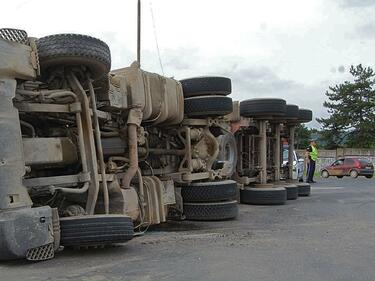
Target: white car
298, 164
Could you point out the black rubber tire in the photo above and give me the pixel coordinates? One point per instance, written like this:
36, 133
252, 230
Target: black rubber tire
292, 111
208, 106
304, 115
199, 86
304, 189
74, 49
209, 191
263, 196
258, 108
369, 176
340, 177
95, 230
211, 211
291, 192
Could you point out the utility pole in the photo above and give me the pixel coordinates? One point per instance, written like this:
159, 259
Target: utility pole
139, 34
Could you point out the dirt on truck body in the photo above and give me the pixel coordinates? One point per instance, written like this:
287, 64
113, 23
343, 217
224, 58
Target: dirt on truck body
89, 156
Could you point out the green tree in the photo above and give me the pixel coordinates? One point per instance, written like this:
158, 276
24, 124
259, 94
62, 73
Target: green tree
351, 106
302, 136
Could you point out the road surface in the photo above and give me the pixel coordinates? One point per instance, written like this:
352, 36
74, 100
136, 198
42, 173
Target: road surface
328, 236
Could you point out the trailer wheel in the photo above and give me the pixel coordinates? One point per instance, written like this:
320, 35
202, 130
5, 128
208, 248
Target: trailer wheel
209, 191
228, 151
263, 196
291, 192
292, 111
95, 230
208, 106
304, 115
258, 108
74, 50
199, 86
304, 189
211, 211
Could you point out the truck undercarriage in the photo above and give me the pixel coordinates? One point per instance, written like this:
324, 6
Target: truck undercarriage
91, 156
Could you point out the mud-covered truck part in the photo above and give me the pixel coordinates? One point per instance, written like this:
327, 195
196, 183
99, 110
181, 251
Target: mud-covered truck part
24, 231
89, 155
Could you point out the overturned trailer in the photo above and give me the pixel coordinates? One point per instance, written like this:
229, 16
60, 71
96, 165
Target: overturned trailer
89, 155
264, 122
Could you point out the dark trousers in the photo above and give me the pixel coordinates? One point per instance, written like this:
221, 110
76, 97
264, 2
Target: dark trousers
310, 171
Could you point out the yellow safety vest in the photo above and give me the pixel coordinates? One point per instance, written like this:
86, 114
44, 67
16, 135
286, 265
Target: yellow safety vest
314, 153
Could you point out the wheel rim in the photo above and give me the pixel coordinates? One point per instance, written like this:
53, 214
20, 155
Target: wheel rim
353, 174
228, 151
325, 174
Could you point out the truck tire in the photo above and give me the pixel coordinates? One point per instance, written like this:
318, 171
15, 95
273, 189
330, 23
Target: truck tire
304, 115
199, 86
292, 111
211, 211
208, 106
95, 230
209, 191
228, 151
258, 108
291, 192
72, 50
263, 196
304, 189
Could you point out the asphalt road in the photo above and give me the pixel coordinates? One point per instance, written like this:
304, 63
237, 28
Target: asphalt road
328, 236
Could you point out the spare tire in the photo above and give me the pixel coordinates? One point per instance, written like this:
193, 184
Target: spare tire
95, 230
211, 211
304, 115
206, 86
228, 151
74, 50
208, 106
292, 111
258, 108
209, 191
263, 196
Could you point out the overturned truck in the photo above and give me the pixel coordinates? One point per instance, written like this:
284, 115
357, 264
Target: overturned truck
89, 156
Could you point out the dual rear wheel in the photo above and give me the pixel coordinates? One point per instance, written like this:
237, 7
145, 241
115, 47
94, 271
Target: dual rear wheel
210, 201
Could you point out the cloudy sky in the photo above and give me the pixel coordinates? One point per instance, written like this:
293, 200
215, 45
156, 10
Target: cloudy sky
292, 49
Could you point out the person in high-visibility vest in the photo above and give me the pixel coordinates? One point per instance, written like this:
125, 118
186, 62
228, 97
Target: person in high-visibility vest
312, 156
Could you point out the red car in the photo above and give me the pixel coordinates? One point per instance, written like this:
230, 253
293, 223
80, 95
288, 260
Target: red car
352, 167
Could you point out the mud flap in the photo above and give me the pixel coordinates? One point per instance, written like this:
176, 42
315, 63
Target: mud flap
24, 229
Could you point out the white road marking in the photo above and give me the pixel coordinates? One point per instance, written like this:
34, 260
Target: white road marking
326, 187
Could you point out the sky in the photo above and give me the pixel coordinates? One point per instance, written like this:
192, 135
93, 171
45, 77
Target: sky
290, 49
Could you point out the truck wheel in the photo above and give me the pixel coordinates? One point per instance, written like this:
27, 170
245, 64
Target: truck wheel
228, 151
211, 211
208, 106
292, 111
304, 189
291, 192
206, 86
304, 115
263, 107
209, 191
96, 230
263, 196
74, 50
